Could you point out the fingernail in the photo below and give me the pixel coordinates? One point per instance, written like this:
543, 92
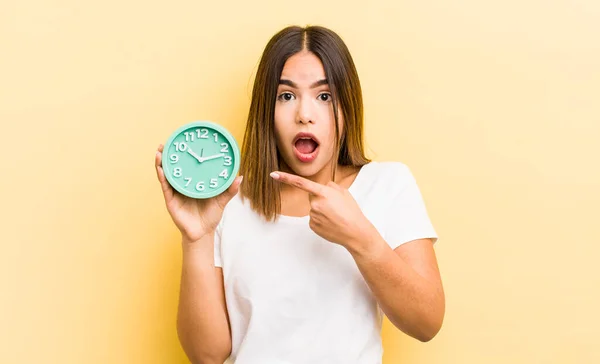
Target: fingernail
275, 175
241, 179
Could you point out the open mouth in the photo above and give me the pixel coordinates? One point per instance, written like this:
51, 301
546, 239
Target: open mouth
306, 147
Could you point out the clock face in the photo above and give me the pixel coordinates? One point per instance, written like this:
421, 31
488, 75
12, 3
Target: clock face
201, 159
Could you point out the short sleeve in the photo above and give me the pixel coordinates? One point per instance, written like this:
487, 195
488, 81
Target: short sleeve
218, 260
407, 217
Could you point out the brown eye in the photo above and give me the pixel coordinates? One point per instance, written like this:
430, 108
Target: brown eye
325, 97
286, 96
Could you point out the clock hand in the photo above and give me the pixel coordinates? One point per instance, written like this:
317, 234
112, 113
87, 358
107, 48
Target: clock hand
212, 157
191, 152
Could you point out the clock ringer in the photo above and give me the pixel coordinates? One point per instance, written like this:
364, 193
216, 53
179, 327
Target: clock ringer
201, 159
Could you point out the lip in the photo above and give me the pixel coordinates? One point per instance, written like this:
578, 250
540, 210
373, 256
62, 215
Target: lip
306, 135
305, 158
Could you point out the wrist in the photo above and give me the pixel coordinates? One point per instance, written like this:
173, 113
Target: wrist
201, 243
366, 242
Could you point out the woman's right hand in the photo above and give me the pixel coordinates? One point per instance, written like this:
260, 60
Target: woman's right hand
195, 218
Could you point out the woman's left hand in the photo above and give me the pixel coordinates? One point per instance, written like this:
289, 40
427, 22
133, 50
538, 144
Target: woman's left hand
334, 214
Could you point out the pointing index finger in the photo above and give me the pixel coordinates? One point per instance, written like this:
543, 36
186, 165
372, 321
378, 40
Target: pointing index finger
297, 181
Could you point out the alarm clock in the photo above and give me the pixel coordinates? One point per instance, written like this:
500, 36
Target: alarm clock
201, 159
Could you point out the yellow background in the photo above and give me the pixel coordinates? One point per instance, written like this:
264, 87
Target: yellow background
494, 106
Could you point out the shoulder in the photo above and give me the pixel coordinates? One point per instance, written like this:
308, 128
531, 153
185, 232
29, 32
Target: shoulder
238, 213
235, 206
389, 175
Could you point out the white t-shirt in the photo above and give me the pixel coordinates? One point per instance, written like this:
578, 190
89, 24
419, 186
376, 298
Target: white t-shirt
295, 298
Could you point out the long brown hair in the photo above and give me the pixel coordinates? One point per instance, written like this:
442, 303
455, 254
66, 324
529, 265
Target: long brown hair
259, 150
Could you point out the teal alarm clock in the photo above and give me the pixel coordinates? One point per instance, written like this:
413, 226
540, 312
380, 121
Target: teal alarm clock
201, 159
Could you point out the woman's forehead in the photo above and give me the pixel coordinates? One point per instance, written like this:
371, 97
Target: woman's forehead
303, 68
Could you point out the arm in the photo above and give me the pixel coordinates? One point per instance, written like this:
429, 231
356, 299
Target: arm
406, 283
202, 321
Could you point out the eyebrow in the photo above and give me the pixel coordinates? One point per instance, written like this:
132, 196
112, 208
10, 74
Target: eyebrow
290, 83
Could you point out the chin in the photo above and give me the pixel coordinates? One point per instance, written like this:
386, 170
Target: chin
305, 169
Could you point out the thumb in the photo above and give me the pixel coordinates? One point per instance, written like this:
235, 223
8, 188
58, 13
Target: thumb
225, 197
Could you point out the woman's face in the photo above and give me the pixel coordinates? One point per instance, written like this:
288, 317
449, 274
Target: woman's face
304, 120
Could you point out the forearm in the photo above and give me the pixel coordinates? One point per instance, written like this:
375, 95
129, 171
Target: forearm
413, 303
202, 323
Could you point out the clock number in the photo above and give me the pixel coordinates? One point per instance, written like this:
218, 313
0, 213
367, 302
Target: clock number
216, 137
180, 147
213, 183
227, 161
189, 136
200, 186
174, 158
224, 174
177, 172
204, 134
225, 148
188, 179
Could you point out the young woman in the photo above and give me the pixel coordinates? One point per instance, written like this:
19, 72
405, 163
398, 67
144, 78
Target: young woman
298, 263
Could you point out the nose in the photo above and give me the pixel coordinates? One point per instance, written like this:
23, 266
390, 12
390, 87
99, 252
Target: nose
305, 112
